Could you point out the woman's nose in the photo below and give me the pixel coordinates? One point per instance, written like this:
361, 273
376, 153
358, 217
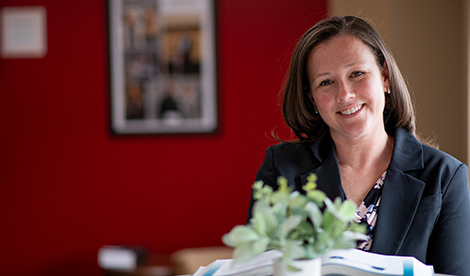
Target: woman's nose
344, 91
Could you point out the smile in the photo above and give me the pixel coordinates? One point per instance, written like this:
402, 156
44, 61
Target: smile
351, 110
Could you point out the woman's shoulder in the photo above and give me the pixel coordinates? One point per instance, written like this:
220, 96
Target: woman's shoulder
321, 145
442, 168
432, 154
288, 146
294, 154
288, 150
412, 151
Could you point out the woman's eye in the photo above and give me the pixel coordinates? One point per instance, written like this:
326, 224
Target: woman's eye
357, 74
325, 83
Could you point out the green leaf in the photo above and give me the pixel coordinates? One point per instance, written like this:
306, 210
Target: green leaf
356, 227
305, 230
248, 251
315, 214
293, 250
282, 183
329, 204
328, 218
258, 185
280, 210
347, 211
344, 244
297, 201
289, 224
310, 252
279, 196
260, 245
240, 234
353, 236
264, 221
317, 196
312, 178
257, 190
344, 211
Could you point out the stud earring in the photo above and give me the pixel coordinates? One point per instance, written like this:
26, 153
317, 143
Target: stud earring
388, 90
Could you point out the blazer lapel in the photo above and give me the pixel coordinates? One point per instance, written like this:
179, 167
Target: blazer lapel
329, 179
400, 200
327, 170
400, 196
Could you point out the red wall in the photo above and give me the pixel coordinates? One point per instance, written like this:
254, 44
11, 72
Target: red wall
68, 187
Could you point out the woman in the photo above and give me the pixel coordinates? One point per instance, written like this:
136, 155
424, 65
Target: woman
348, 104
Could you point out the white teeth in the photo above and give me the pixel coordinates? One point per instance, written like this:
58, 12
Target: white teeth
351, 110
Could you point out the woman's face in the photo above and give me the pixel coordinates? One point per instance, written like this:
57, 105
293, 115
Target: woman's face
347, 87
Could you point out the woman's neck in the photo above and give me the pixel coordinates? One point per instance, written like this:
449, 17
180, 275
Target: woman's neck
375, 150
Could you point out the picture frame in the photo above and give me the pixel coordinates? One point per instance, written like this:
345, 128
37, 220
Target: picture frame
162, 66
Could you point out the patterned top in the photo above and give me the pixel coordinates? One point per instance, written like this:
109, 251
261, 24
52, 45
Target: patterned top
367, 213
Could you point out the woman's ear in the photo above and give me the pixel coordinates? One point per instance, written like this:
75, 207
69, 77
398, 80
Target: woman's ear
310, 96
386, 76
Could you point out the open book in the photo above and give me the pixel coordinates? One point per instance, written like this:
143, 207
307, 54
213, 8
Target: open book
337, 262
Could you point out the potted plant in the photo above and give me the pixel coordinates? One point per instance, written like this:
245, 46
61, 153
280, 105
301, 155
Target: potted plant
301, 226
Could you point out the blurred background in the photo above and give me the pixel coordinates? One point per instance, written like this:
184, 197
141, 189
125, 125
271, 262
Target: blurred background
68, 186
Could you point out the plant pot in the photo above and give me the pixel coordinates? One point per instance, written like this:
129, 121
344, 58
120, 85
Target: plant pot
310, 267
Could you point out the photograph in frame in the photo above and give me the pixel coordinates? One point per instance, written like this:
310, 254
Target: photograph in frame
162, 66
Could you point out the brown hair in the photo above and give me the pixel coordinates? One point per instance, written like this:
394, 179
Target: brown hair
298, 110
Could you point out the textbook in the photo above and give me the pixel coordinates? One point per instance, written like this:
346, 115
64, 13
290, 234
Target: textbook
357, 262
337, 262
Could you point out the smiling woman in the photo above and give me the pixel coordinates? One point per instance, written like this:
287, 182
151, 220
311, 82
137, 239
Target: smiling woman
348, 104
348, 87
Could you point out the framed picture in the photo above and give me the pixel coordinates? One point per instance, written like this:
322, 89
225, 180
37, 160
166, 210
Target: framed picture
162, 66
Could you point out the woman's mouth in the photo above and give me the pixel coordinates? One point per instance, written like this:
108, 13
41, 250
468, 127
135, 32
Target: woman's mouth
351, 110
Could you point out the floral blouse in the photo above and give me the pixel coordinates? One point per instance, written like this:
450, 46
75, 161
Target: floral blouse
367, 212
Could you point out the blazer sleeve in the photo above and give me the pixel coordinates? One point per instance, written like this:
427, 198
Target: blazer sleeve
449, 245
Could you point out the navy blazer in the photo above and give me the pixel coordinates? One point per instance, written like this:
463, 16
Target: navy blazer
425, 207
